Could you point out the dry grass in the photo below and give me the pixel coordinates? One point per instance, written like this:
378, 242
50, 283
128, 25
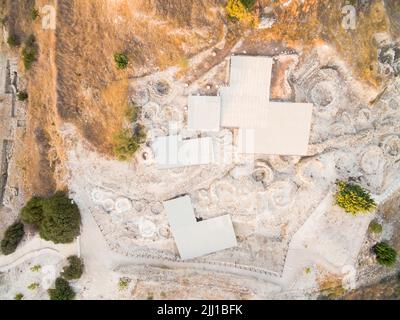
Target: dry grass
318, 21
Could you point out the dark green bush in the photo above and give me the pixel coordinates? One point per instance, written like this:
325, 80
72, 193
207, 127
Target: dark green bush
12, 238
34, 14
121, 60
32, 213
74, 270
30, 52
13, 40
62, 290
57, 218
385, 254
61, 219
19, 296
22, 95
248, 3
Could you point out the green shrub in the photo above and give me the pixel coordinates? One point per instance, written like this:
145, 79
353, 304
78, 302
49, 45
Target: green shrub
33, 286
375, 227
12, 238
132, 113
237, 10
354, 199
32, 213
13, 40
385, 254
62, 290
30, 52
126, 142
19, 296
34, 14
123, 283
36, 268
22, 95
74, 270
248, 4
61, 219
121, 60
57, 218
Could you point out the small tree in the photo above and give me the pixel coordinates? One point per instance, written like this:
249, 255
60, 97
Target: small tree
236, 9
22, 95
12, 238
61, 219
385, 254
62, 290
19, 296
74, 270
354, 199
34, 14
32, 213
121, 60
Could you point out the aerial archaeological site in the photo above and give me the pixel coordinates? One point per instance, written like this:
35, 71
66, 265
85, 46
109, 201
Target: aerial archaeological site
199, 149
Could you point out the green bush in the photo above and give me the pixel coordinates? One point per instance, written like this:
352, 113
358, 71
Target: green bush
121, 60
30, 52
32, 213
57, 218
61, 219
34, 14
62, 290
248, 3
126, 142
385, 254
375, 227
74, 270
22, 95
12, 238
354, 199
13, 40
19, 296
132, 113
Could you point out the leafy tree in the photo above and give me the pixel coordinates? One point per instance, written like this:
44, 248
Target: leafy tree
12, 238
74, 270
61, 219
385, 254
22, 95
353, 198
62, 290
32, 213
375, 227
121, 60
57, 218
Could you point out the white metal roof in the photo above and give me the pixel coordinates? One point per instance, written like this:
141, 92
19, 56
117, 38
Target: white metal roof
194, 239
204, 113
286, 131
172, 151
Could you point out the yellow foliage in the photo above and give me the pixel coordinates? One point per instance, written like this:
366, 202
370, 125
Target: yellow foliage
237, 10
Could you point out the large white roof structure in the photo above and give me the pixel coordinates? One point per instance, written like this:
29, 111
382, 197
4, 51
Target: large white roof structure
173, 151
204, 113
195, 239
280, 128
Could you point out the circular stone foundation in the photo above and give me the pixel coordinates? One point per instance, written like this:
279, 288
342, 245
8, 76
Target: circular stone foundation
372, 160
140, 95
282, 193
263, 173
147, 228
123, 205
108, 205
98, 195
391, 145
310, 170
